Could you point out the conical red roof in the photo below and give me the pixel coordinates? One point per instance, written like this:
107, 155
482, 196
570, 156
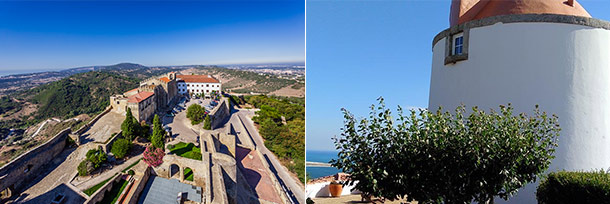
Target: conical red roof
467, 10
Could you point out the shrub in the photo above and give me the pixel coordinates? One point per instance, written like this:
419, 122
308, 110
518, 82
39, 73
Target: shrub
574, 187
445, 157
120, 148
82, 168
97, 157
131, 172
195, 113
170, 146
153, 156
207, 123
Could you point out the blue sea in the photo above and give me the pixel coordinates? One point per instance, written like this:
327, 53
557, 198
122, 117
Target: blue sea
321, 156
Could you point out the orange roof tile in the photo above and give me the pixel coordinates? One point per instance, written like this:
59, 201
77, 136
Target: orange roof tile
137, 98
466, 10
132, 90
165, 79
197, 79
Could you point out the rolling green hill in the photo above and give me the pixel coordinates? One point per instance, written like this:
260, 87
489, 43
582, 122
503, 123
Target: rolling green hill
135, 70
84, 93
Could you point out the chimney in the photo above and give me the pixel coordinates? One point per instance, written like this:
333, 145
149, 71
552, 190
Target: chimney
571, 3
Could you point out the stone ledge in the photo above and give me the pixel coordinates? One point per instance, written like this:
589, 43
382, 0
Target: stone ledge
524, 18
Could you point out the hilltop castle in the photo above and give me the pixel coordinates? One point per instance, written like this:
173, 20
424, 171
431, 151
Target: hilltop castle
157, 93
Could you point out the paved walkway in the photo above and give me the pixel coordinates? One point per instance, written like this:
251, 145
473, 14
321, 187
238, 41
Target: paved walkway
255, 173
181, 126
293, 187
60, 172
102, 130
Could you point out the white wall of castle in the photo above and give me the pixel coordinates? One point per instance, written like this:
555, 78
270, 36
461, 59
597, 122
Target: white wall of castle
197, 88
564, 68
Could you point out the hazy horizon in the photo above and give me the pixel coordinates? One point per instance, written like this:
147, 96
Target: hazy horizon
9, 72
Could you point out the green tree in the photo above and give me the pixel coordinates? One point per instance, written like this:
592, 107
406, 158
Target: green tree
443, 157
195, 113
128, 127
120, 148
207, 123
158, 136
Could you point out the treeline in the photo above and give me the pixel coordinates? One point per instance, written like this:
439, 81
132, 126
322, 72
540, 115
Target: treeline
282, 125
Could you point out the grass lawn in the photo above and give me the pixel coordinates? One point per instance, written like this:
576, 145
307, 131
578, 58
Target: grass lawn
187, 150
92, 190
115, 192
188, 174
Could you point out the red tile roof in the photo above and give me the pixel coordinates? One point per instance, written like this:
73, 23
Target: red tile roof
165, 79
137, 98
132, 90
197, 79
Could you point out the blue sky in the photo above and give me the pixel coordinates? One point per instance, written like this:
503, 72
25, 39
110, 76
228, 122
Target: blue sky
358, 51
65, 34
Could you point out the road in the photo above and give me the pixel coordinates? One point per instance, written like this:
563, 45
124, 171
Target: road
293, 186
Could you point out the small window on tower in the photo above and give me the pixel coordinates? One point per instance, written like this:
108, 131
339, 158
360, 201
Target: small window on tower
458, 44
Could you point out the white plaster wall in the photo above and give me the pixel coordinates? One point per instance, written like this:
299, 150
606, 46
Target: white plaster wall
321, 190
564, 68
198, 87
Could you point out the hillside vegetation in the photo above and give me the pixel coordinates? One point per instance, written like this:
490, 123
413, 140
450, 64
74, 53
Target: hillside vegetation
239, 81
136, 71
85, 93
282, 125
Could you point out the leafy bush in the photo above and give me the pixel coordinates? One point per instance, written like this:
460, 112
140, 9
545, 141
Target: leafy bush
131, 172
170, 146
207, 123
153, 156
97, 157
195, 113
574, 187
443, 157
120, 147
84, 168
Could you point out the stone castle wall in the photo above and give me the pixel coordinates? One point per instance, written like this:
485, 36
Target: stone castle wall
20, 171
220, 114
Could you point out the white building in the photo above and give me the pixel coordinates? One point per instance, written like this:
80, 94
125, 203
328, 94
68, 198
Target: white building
197, 84
528, 52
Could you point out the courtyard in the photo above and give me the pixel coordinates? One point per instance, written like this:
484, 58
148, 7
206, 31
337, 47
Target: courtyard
103, 129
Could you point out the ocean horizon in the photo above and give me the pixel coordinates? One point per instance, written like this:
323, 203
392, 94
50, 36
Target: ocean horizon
24, 71
323, 156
